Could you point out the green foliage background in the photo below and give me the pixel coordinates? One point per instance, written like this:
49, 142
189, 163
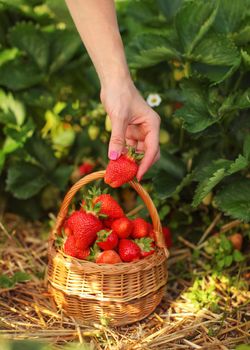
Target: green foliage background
194, 54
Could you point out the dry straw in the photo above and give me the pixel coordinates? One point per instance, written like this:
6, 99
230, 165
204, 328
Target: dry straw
123, 293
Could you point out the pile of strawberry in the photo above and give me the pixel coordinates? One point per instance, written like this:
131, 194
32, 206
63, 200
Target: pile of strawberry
100, 232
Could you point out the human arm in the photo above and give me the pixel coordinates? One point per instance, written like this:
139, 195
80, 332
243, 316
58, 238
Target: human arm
133, 121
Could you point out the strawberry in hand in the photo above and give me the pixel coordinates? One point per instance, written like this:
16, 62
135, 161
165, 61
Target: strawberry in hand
124, 169
107, 239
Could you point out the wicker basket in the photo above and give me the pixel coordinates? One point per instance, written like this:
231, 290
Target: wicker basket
124, 293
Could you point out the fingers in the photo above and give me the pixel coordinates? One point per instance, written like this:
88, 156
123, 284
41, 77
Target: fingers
117, 139
152, 152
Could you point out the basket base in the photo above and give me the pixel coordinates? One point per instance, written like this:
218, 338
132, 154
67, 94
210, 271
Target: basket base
116, 313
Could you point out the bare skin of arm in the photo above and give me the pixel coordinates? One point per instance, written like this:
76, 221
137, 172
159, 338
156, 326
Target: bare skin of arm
133, 121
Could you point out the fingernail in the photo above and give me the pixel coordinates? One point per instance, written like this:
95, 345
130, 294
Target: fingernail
113, 155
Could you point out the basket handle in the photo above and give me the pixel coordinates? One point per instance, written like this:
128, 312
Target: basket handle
160, 241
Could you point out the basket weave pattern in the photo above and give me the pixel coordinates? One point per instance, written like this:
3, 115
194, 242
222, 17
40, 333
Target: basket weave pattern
124, 292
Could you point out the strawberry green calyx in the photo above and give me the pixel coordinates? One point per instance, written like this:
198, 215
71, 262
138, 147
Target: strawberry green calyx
133, 155
103, 235
145, 243
94, 253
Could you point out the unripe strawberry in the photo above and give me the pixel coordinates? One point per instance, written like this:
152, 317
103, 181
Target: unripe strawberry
93, 132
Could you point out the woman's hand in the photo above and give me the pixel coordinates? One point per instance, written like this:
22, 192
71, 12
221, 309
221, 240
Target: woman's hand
133, 122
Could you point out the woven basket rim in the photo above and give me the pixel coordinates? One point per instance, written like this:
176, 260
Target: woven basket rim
125, 267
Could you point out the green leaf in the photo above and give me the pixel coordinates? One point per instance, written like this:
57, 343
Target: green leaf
64, 45
21, 277
169, 7
235, 101
242, 37
6, 282
149, 49
205, 187
193, 21
60, 11
19, 74
239, 164
29, 38
42, 153
24, 180
219, 53
230, 15
195, 114
246, 59
246, 147
60, 176
211, 175
193, 120
165, 184
8, 55
228, 260
171, 165
237, 256
13, 110
233, 199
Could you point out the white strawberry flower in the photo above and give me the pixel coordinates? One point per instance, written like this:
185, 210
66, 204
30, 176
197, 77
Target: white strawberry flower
154, 100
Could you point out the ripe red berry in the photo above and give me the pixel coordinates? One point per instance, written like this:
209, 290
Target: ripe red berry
122, 170
107, 239
109, 206
84, 227
140, 228
108, 257
123, 227
146, 245
86, 168
167, 235
129, 250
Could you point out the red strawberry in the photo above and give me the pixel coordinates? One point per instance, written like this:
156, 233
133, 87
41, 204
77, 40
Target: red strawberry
71, 249
123, 227
108, 257
122, 170
108, 206
83, 254
146, 245
70, 246
86, 168
84, 226
129, 250
107, 239
107, 222
67, 230
167, 235
140, 228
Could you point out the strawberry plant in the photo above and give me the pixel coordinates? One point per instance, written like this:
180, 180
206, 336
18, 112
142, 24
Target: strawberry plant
195, 57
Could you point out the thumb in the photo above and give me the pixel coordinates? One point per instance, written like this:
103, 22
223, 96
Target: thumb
117, 139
